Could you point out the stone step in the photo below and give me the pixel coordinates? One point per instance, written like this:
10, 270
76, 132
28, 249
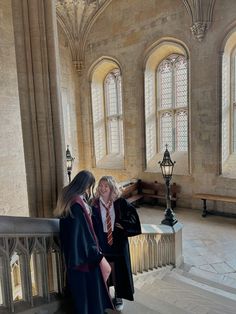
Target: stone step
147, 304
137, 307
227, 282
212, 292
203, 277
177, 294
150, 276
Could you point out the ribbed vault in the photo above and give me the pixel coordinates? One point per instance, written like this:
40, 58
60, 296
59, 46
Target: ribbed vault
76, 18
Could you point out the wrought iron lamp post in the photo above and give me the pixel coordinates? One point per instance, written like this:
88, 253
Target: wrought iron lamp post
167, 166
69, 162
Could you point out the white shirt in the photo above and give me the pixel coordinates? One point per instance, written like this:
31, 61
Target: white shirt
103, 214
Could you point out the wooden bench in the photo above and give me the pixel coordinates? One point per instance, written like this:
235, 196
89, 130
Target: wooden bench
214, 197
130, 192
139, 189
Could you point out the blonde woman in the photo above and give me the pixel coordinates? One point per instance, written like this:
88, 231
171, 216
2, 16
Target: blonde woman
86, 285
114, 220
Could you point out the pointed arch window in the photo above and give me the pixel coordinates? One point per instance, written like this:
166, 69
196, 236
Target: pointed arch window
166, 107
172, 109
228, 108
106, 89
233, 120
113, 112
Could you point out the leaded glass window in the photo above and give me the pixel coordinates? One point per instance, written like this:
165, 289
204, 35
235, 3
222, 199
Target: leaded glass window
234, 107
113, 110
166, 84
98, 122
172, 109
234, 127
225, 106
166, 130
228, 104
181, 90
150, 115
106, 94
181, 129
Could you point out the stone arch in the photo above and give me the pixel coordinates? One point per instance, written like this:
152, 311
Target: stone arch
227, 101
104, 154
166, 46
154, 55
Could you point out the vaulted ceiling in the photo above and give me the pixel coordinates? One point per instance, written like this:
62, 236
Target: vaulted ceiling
76, 18
77, 13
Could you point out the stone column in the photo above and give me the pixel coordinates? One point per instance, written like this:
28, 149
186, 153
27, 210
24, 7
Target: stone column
36, 43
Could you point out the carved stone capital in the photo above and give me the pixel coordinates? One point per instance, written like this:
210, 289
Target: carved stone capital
201, 12
199, 30
79, 65
76, 17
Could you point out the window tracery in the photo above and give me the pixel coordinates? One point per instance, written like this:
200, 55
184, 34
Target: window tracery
107, 112
228, 108
166, 106
173, 89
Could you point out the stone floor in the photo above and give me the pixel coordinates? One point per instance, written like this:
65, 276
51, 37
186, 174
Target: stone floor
209, 244
206, 282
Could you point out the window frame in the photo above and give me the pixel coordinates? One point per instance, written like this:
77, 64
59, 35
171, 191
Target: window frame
173, 110
118, 116
103, 158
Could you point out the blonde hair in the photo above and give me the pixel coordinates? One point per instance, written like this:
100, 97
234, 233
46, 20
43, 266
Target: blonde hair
113, 185
82, 182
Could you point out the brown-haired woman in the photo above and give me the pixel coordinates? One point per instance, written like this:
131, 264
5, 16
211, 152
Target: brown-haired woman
85, 282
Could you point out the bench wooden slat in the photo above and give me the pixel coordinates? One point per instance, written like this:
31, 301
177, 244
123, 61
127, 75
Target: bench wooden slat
155, 190
159, 196
128, 190
215, 197
134, 198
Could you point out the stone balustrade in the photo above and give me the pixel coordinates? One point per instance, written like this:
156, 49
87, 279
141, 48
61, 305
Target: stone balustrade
30, 261
157, 246
31, 268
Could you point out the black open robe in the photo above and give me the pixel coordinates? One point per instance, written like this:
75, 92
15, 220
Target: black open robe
82, 257
126, 215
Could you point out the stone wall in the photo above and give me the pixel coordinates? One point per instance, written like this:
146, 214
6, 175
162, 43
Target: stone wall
125, 31
70, 103
13, 190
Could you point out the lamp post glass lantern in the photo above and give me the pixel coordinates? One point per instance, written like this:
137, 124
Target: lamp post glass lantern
167, 166
69, 162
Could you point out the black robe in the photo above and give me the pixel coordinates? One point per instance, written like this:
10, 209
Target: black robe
126, 215
82, 257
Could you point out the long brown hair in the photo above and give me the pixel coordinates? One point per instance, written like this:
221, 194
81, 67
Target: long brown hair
82, 182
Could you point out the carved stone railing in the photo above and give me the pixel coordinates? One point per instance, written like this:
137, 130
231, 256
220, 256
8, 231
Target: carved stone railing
31, 270
30, 264
157, 246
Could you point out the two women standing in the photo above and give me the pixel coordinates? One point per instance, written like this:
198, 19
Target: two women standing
87, 247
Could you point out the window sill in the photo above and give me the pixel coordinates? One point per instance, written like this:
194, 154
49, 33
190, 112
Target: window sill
111, 162
228, 167
181, 166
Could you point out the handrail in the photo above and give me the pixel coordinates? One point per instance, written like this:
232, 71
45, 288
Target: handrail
31, 268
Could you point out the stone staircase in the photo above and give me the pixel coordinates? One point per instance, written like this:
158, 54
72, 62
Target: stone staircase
177, 291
